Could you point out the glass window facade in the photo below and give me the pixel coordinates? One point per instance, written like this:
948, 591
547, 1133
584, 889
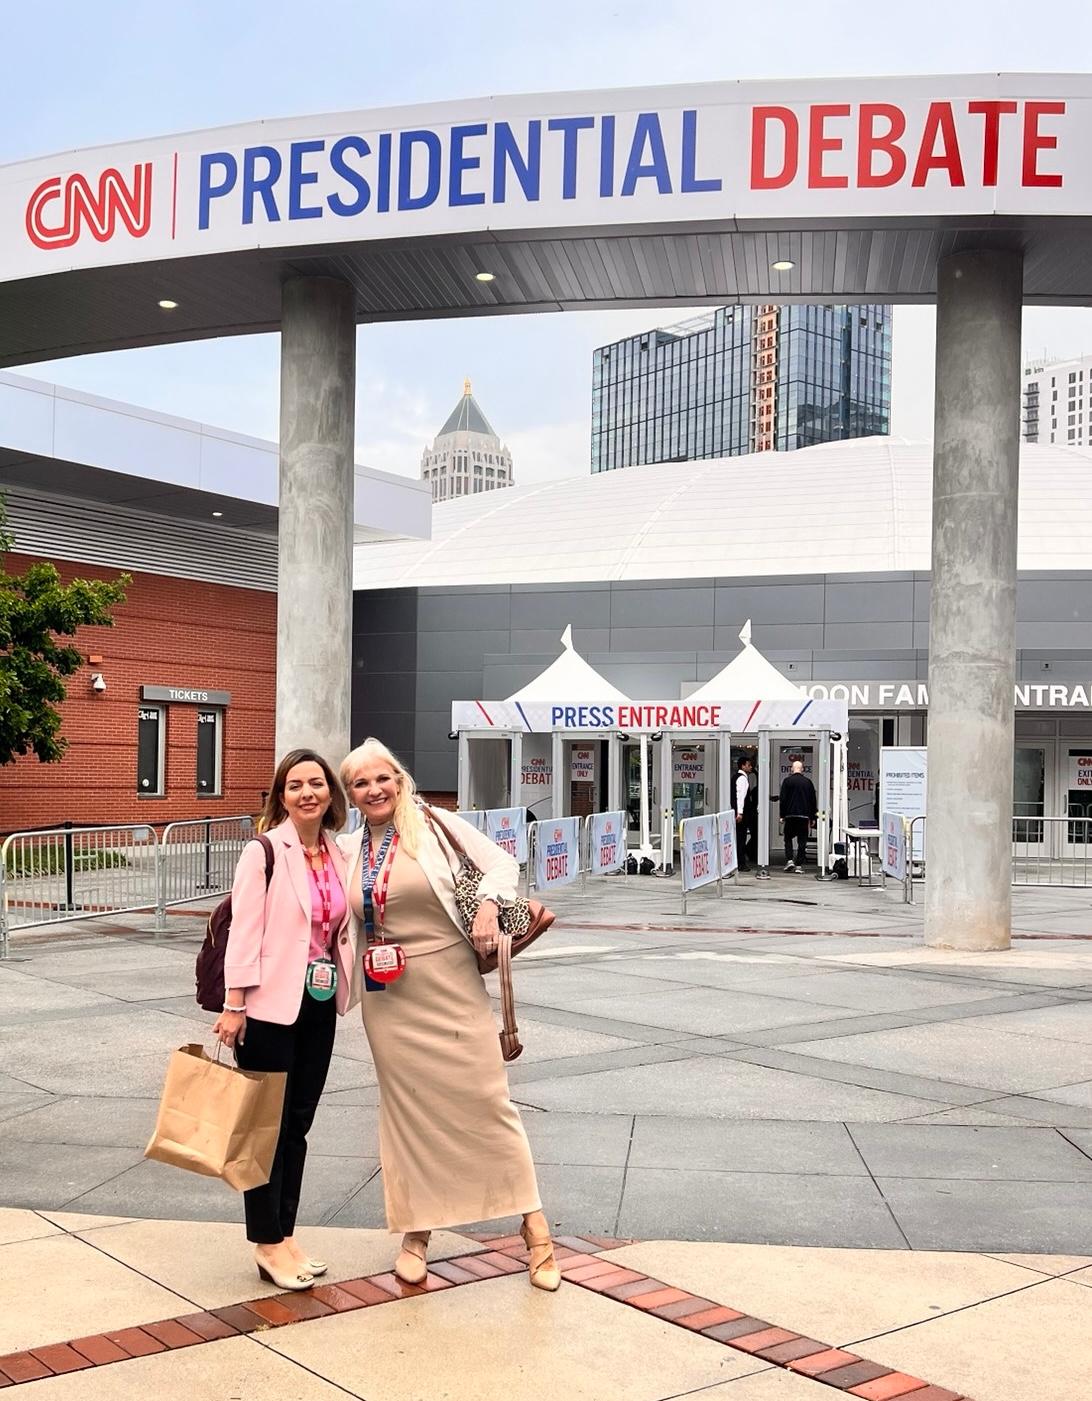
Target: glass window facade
693, 391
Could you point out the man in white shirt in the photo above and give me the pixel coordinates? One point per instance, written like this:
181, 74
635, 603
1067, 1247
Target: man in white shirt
746, 816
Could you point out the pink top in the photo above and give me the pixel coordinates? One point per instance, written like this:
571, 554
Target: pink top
320, 946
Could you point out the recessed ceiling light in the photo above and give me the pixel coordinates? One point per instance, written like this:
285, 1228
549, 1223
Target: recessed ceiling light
167, 304
782, 265
217, 514
485, 276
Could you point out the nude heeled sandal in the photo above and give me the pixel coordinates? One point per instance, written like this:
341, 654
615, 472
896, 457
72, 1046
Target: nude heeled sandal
411, 1267
541, 1266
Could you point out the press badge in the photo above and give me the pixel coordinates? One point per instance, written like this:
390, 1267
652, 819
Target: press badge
384, 963
321, 981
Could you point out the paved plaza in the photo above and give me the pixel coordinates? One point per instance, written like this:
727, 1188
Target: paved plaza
798, 1115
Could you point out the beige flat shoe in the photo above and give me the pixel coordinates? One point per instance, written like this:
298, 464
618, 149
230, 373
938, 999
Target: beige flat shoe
411, 1267
298, 1281
542, 1267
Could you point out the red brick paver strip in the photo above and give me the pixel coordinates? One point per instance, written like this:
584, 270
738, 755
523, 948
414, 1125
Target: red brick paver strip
136, 1342
581, 1266
846, 1377
338, 1299
367, 1291
648, 1302
205, 1325
820, 1362
706, 1319
100, 1351
889, 1388
768, 1337
23, 1367
60, 1358
173, 1334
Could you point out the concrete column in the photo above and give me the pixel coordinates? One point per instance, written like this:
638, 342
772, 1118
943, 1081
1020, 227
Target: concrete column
315, 530
972, 620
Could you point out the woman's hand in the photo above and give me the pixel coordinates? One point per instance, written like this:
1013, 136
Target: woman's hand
231, 1028
486, 931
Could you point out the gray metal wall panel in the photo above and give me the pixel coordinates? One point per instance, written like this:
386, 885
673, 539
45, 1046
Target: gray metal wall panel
768, 603
546, 641
877, 602
653, 639
470, 611
881, 636
652, 607
554, 611
457, 651
1056, 600
769, 637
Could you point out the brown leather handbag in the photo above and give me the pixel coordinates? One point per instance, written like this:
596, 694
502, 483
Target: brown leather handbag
521, 923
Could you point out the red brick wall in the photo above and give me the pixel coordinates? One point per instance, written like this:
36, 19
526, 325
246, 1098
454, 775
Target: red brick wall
169, 632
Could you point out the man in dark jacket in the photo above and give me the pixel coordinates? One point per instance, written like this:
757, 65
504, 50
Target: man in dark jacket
799, 809
746, 805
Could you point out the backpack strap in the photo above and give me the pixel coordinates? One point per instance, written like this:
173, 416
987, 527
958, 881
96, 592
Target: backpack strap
267, 846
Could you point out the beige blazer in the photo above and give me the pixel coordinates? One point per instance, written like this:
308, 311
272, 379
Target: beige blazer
500, 872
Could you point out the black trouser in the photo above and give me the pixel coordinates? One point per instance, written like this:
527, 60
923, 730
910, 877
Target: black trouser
796, 827
747, 835
303, 1049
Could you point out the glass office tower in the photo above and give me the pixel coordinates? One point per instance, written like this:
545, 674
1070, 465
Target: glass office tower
742, 379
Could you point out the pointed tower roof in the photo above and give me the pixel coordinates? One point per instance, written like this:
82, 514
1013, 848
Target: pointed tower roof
749, 676
466, 417
570, 678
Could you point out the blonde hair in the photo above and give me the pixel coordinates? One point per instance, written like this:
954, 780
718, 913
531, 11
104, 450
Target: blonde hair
407, 812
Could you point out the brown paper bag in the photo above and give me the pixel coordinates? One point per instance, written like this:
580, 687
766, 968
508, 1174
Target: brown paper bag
217, 1120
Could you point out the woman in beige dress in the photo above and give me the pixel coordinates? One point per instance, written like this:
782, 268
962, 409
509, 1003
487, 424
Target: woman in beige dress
451, 1144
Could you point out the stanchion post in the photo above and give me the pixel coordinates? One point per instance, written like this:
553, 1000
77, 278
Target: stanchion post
69, 873
161, 880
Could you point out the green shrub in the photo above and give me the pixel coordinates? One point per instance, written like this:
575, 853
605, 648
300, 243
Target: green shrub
27, 860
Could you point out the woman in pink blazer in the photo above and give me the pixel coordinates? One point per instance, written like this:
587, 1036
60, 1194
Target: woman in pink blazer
289, 965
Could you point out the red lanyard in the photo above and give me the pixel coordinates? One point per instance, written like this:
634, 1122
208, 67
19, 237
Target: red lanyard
379, 894
326, 901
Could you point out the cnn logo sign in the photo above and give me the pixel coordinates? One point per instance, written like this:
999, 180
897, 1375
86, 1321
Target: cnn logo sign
61, 208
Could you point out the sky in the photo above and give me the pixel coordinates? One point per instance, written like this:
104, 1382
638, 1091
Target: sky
115, 71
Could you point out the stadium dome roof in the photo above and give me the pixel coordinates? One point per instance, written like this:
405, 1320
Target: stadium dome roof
861, 506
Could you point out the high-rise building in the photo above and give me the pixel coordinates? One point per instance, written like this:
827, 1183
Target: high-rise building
466, 455
1057, 404
742, 379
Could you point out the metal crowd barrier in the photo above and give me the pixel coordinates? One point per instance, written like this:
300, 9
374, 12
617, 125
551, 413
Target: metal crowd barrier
1055, 851
197, 859
68, 873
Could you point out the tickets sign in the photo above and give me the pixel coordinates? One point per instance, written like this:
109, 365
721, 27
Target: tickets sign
607, 842
726, 838
700, 857
557, 851
508, 828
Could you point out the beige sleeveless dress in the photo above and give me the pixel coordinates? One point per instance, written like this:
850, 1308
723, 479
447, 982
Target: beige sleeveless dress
451, 1144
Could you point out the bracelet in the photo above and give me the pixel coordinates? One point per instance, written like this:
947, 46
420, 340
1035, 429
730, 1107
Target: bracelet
234, 1009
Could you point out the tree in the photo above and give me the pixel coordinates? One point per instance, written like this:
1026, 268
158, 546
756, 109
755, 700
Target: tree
35, 610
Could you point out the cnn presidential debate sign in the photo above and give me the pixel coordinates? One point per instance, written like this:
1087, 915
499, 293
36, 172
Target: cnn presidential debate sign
831, 148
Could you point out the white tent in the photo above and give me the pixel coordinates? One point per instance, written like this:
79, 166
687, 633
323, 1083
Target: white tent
570, 679
748, 675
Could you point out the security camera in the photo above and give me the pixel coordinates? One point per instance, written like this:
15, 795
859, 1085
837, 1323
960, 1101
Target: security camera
623, 738
453, 734
98, 682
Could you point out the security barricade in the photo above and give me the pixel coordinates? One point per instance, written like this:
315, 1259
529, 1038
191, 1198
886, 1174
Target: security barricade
726, 842
554, 855
1052, 851
605, 849
67, 873
475, 816
508, 828
197, 859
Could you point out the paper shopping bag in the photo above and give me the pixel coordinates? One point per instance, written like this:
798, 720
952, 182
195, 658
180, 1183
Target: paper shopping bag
217, 1120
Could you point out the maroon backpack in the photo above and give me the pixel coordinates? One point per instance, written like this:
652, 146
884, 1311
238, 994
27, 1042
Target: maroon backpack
210, 961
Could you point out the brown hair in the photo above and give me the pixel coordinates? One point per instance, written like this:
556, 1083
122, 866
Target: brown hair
275, 811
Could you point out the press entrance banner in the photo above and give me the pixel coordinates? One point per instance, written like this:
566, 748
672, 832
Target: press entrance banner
508, 828
606, 842
557, 851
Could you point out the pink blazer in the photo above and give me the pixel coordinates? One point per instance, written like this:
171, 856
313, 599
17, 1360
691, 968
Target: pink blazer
271, 930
